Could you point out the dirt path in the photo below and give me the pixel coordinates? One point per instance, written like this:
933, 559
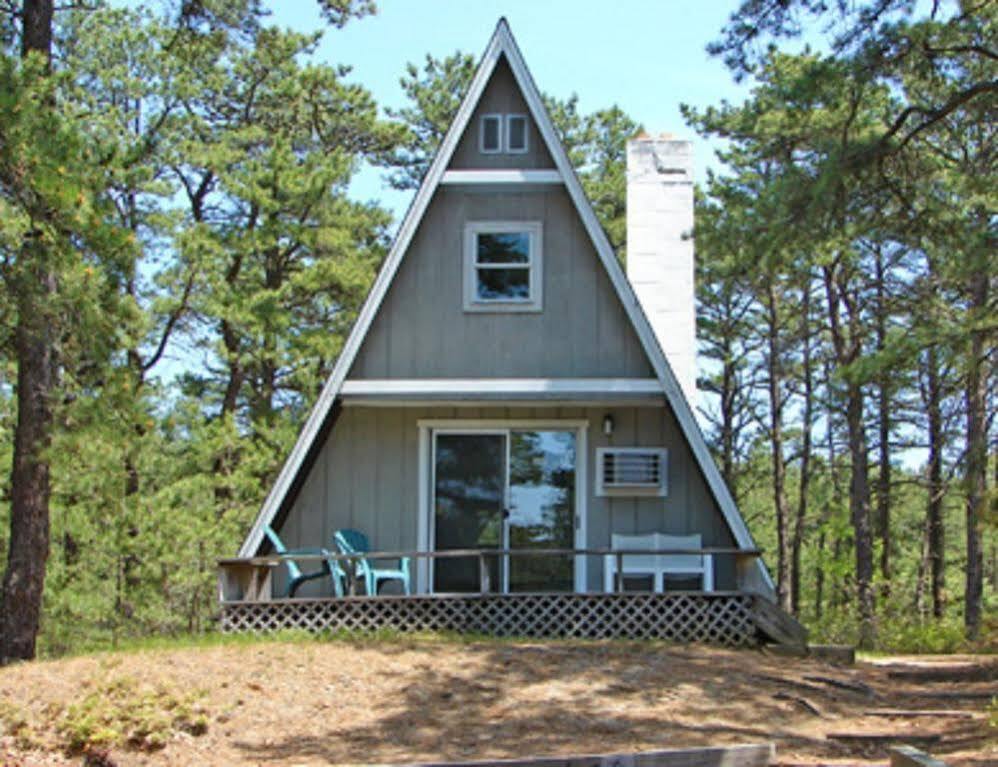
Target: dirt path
308, 703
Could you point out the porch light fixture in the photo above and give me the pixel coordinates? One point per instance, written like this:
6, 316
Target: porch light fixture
608, 424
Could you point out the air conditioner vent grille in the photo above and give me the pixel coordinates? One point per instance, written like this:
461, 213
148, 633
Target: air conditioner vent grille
631, 471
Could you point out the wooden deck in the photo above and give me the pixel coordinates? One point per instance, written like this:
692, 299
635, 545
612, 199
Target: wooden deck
738, 617
727, 618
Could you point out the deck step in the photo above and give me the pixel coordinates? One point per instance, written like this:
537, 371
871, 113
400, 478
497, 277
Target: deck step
778, 625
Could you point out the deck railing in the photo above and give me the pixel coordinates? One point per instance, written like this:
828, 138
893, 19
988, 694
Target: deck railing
250, 579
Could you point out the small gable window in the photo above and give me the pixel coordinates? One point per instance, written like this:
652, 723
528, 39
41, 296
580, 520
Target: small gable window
502, 266
503, 133
516, 134
491, 139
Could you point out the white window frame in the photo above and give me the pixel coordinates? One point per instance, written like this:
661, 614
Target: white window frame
526, 134
534, 302
661, 490
501, 123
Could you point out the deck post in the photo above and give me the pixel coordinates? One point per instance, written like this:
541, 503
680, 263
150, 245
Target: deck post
618, 576
747, 576
248, 581
484, 581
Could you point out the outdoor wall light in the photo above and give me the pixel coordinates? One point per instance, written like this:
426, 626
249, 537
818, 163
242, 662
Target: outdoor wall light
608, 424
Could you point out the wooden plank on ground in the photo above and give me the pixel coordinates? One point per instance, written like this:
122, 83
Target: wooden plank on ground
748, 755
909, 756
787, 681
955, 694
843, 684
802, 702
885, 738
833, 653
962, 672
904, 713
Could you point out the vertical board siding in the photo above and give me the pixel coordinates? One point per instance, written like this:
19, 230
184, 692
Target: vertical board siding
422, 330
367, 478
501, 96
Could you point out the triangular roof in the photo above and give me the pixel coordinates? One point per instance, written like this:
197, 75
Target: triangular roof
501, 44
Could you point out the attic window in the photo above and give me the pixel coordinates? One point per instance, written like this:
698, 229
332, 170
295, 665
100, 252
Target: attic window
503, 133
502, 266
516, 134
491, 139
631, 471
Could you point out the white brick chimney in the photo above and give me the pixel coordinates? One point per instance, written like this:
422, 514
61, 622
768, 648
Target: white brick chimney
659, 257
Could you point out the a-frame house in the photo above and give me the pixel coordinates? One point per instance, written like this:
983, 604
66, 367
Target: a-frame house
504, 390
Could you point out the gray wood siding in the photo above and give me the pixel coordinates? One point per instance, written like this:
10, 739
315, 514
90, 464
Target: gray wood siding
501, 96
366, 477
422, 330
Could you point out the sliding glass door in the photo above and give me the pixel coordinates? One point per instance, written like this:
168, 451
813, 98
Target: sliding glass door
542, 509
511, 489
470, 502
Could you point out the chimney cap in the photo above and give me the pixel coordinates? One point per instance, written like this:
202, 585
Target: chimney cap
663, 136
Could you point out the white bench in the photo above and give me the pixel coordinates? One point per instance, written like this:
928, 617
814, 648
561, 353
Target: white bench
657, 566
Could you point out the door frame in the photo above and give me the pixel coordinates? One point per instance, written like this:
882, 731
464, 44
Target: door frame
427, 479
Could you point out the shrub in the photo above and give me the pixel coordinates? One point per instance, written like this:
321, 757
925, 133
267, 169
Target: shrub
121, 712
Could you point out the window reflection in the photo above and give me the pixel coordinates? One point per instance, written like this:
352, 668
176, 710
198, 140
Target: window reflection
470, 482
542, 513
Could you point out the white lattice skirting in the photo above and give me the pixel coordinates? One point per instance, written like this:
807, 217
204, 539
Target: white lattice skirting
718, 618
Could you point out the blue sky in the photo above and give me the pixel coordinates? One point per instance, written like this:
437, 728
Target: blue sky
646, 56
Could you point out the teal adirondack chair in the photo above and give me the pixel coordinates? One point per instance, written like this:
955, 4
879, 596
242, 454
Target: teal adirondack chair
296, 577
355, 542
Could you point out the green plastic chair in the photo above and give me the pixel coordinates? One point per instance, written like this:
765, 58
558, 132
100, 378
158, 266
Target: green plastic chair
355, 542
296, 577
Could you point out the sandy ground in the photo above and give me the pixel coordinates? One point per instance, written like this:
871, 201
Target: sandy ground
395, 700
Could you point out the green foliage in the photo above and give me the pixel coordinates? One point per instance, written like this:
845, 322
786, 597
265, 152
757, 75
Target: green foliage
435, 94
846, 256
55, 217
596, 143
122, 711
597, 148
203, 213
119, 711
17, 724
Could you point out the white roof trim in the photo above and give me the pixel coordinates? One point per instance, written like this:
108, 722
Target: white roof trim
483, 400
501, 177
455, 388
502, 43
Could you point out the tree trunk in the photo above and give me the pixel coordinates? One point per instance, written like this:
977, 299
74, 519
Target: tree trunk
830, 504
819, 578
923, 568
807, 419
859, 511
775, 380
36, 28
977, 461
847, 346
223, 463
24, 579
884, 419
934, 511
728, 378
